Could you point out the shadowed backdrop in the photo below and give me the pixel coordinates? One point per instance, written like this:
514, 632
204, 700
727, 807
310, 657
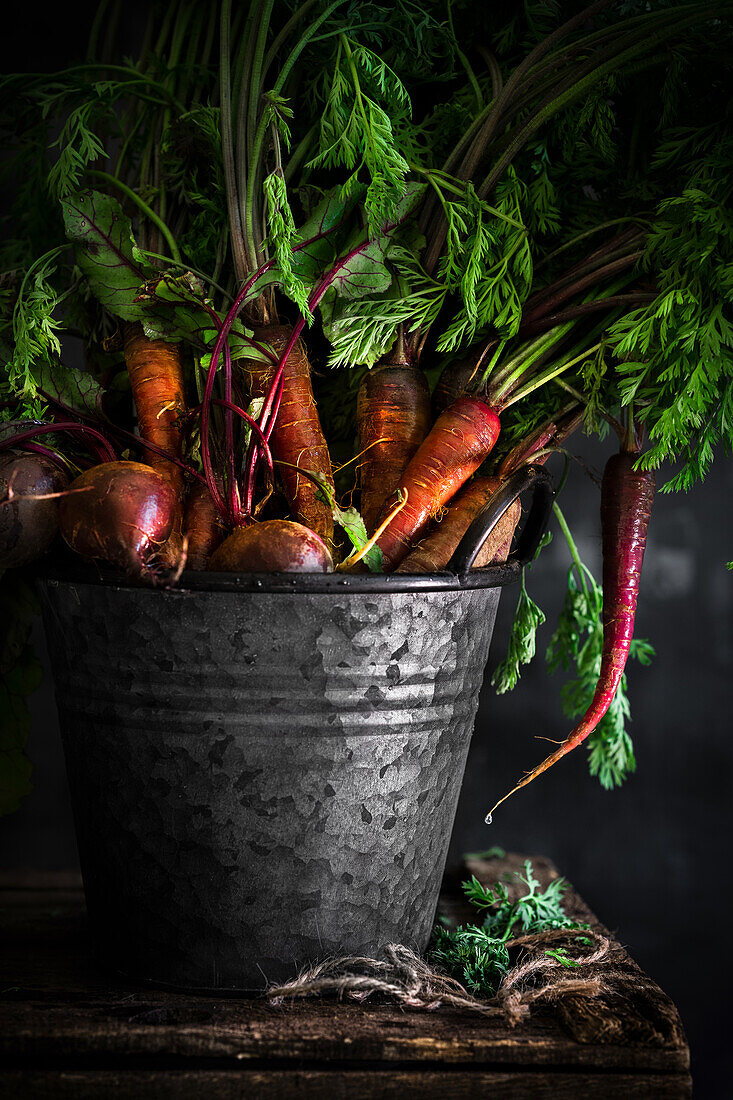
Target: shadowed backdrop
650, 858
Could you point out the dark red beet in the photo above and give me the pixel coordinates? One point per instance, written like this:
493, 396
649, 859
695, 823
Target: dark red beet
125, 517
27, 526
274, 546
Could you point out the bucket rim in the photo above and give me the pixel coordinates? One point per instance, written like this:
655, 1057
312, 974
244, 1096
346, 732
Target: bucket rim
333, 584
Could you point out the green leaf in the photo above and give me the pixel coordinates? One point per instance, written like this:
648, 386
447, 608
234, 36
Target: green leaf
528, 618
362, 267
281, 236
106, 252
352, 523
175, 307
74, 388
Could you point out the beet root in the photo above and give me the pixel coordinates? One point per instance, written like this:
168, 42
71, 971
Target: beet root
124, 515
274, 546
27, 526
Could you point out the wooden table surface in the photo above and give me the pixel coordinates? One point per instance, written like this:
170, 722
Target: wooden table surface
69, 1029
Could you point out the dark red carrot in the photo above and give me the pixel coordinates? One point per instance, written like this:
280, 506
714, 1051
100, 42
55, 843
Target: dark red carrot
626, 504
455, 378
457, 444
202, 525
297, 437
437, 548
273, 546
393, 418
156, 379
125, 517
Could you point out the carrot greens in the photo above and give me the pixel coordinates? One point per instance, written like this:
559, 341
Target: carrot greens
304, 215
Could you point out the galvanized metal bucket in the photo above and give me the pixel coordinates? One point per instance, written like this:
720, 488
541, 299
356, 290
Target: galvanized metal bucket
265, 768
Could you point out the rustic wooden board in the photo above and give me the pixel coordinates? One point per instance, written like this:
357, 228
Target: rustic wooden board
68, 1029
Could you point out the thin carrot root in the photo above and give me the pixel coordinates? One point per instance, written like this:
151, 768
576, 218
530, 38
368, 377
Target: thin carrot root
457, 444
297, 438
393, 418
626, 504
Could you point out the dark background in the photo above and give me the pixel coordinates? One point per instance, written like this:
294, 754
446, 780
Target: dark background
652, 858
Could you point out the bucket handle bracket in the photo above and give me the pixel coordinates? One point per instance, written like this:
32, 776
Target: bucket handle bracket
530, 477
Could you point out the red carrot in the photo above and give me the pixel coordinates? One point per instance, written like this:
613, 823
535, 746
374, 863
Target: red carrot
626, 503
436, 550
156, 378
393, 418
458, 443
297, 437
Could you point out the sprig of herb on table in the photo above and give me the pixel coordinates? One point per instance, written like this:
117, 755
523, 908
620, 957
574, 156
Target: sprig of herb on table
478, 954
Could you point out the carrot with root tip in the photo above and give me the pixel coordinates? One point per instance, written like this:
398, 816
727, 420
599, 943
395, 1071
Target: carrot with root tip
297, 437
626, 504
457, 444
438, 547
393, 418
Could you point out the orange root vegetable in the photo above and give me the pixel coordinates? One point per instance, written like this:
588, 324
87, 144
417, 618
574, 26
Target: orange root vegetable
156, 379
297, 438
435, 551
626, 504
274, 546
125, 517
457, 444
27, 525
393, 418
203, 527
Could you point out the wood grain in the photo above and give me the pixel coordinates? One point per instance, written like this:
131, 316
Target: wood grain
69, 1029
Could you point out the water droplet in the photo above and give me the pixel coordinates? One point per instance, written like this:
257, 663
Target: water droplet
488, 819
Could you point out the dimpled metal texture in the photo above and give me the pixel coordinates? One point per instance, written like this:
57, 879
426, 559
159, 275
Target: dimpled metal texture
262, 779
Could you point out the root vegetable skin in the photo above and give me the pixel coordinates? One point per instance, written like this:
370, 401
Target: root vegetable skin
297, 437
393, 417
27, 526
203, 527
125, 517
626, 504
457, 444
156, 379
274, 546
454, 379
436, 550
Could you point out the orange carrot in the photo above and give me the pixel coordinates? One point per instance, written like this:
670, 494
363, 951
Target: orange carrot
297, 438
437, 548
458, 443
393, 418
156, 378
203, 526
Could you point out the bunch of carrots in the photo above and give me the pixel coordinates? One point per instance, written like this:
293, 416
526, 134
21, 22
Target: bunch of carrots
438, 258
